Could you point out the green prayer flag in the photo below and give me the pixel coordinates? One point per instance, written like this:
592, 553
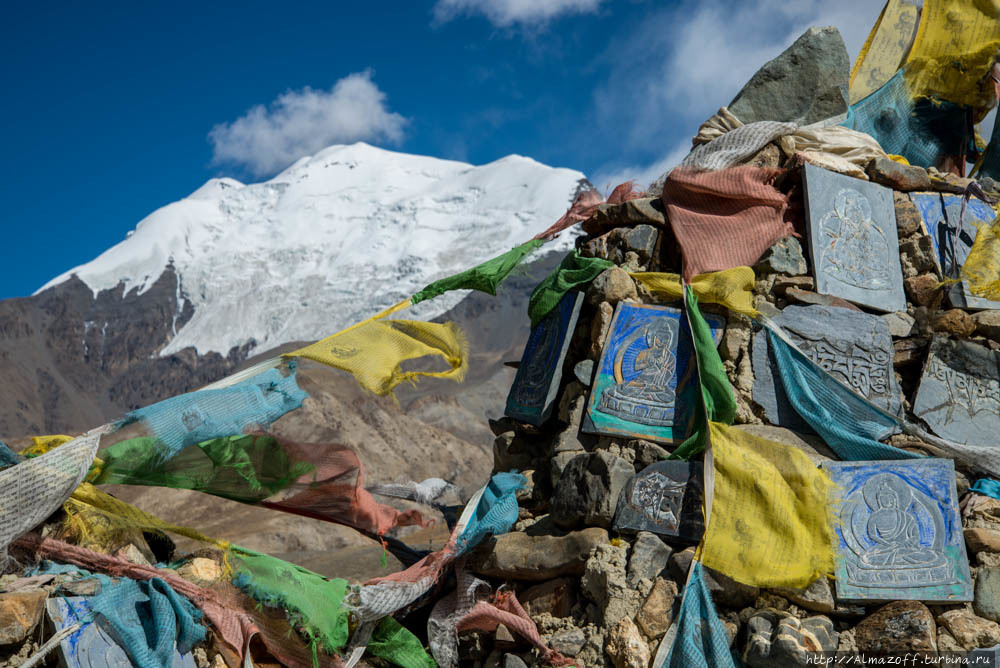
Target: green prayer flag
719, 404
574, 270
484, 277
396, 644
242, 468
311, 601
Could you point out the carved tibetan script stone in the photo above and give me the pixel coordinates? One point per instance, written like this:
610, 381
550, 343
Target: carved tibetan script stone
646, 382
537, 381
942, 215
664, 498
93, 646
898, 532
853, 242
853, 347
959, 393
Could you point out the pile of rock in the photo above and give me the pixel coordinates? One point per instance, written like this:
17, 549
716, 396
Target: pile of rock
606, 594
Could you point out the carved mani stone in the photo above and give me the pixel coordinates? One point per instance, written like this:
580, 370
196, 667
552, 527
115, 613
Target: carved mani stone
92, 646
664, 498
942, 214
853, 242
959, 393
898, 532
536, 384
853, 347
646, 383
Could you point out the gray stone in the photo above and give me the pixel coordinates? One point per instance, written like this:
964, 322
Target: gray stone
664, 498
853, 243
806, 84
558, 464
533, 393
784, 257
641, 240
611, 286
568, 642
649, 557
93, 644
639, 211
959, 392
988, 324
513, 661
604, 582
584, 372
854, 347
808, 297
900, 324
646, 453
987, 595
588, 490
680, 564
897, 176
84, 587
518, 556
776, 639
899, 533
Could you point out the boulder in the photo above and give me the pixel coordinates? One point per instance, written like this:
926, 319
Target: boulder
922, 290
817, 597
982, 540
626, 647
900, 324
900, 626
605, 584
20, 612
555, 597
987, 595
656, 614
916, 255
908, 219
805, 84
518, 556
568, 642
809, 297
988, 324
639, 211
897, 176
612, 286
588, 490
969, 630
648, 558
954, 322
784, 257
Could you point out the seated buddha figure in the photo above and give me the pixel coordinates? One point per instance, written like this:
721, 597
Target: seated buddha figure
855, 250
895, 533
647, 397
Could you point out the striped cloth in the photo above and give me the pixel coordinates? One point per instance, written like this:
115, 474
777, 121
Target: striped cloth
724, 219
736, 146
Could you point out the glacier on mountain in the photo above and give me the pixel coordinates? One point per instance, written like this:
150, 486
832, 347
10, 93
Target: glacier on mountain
330, 241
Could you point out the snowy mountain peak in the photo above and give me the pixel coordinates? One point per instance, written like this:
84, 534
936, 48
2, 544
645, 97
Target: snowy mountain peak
329, 241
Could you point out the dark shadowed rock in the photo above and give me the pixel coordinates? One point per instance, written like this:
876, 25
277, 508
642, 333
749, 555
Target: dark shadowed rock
518, 556
784, 257
805, 84
588, 490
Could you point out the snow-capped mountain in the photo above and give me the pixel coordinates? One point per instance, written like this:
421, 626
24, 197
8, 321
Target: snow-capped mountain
331, 240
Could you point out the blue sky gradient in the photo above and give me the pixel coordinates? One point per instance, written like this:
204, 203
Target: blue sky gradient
108, 107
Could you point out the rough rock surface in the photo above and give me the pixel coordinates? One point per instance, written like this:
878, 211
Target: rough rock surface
522, 557
901, 626
588, 490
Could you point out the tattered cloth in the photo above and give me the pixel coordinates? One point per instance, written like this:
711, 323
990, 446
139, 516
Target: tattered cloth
736, 146
724, 219
700, 638
483, 277
585, 205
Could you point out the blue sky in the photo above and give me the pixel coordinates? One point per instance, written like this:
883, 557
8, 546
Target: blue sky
112, 110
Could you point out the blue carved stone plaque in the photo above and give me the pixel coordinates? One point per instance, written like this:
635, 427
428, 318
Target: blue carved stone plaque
664, 498
898, 533
941, 215
853, 240
959, 392
92, 646
536, 384
646, 382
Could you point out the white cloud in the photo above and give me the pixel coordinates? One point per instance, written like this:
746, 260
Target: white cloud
267, 139
505, 13
686, 62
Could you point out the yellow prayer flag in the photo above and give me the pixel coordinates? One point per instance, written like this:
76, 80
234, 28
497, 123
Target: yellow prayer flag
982, 268
374, 351
768, 525
885, 50
98, 519
732, 288
42, 444
954, 49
